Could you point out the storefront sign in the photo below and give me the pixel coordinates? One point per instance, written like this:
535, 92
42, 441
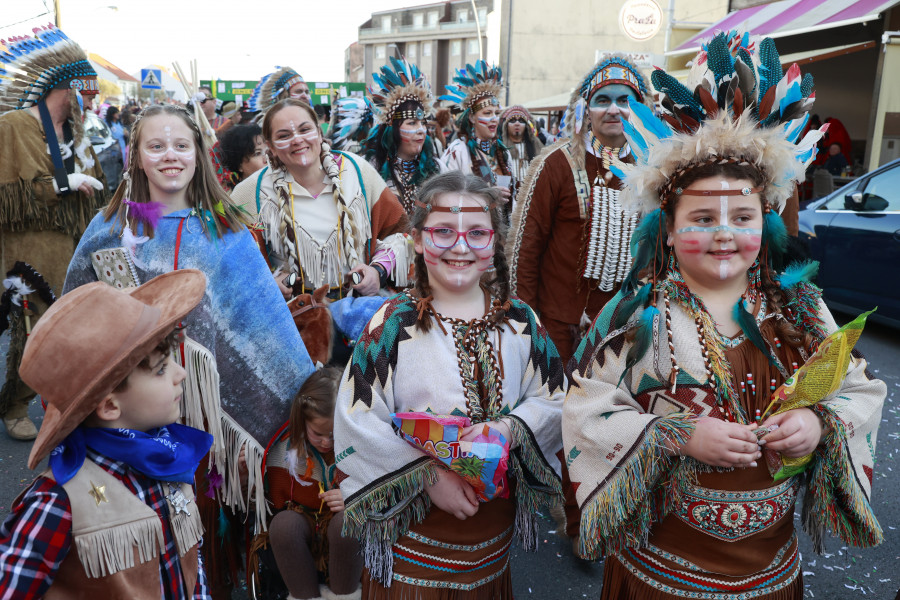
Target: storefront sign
640, 19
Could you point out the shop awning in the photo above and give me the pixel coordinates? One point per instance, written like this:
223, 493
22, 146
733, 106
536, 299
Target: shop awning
790, 17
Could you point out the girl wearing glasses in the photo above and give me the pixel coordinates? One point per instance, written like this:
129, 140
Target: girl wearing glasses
456, 344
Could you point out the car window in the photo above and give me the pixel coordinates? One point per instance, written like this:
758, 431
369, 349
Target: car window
837, 201
882, 192
95, 127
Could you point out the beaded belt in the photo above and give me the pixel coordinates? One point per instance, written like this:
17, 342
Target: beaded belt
731, 516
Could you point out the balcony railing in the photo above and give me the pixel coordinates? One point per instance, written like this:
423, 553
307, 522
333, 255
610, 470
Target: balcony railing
370, 32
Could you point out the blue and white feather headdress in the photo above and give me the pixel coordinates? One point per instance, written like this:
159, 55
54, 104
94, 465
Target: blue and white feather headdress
272, 88
738, 106
474, 84
30, 67
352, 117
397, 83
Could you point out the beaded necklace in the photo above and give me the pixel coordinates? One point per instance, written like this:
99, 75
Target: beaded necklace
405, 171
606, 254
712, 343
485, 145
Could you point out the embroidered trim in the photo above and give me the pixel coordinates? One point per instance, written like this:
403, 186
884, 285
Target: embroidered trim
464, 548
732, 516
713, 588
441, 564
449, 585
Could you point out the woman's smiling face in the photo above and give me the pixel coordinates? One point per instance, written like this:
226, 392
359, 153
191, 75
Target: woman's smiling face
296, 140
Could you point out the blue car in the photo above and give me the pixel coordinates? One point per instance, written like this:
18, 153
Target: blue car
854, 233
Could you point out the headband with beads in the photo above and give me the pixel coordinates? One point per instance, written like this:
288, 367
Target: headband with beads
454, 209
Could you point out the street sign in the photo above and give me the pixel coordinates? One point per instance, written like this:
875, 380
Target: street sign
151, 79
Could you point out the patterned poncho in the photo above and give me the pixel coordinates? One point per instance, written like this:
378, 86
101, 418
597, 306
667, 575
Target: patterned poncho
242, 320
615, 428
398, 368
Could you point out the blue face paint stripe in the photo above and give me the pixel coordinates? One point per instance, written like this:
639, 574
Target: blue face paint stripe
718, 228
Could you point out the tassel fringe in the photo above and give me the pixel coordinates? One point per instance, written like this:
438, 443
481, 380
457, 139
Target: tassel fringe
833, 498
109, 551
201, 405
386, 512
620, 514
232, 493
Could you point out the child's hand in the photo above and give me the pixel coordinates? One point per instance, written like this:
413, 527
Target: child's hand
470, 433
722, 444
334, 499
799, 432
453, 495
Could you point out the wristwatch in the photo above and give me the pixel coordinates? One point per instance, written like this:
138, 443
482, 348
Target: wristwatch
382, 273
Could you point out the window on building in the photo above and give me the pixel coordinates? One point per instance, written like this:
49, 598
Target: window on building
386, 24
462, 15
482, 14
418, 20
426, 48
379, 52
433, 17
472, 47
455, 47
411, 50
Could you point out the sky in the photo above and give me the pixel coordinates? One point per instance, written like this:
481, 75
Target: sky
227, 40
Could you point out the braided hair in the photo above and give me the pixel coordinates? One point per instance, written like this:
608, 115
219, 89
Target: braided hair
456, 182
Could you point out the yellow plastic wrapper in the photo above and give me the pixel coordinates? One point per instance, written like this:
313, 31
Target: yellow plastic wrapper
817, 379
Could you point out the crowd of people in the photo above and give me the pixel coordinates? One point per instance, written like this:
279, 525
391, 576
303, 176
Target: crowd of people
358, 362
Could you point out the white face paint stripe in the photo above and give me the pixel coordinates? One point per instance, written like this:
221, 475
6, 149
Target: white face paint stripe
723, 223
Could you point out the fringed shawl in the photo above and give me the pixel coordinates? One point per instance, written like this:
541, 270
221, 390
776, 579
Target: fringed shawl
398, 368
625, 481
242, 321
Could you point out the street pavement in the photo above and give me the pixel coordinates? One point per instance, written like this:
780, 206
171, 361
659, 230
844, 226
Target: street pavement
554, 573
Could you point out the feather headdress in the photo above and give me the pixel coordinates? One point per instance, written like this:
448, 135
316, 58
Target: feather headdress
738, 107
31, 67
351, 118
614, 68
397, 83
474, 83
272, 88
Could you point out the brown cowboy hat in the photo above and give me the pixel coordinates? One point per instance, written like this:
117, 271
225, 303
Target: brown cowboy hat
91, 339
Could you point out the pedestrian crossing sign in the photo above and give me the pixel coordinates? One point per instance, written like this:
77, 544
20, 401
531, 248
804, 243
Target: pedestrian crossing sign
151, 79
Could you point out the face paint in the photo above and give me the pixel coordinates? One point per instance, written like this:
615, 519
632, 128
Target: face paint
283, 143
408, 134
488, 120
156, 153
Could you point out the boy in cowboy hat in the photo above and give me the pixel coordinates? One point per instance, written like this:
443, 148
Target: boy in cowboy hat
114, 514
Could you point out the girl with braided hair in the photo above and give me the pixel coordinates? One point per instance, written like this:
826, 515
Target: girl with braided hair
245, 358
328, 217
686, 482
486, 356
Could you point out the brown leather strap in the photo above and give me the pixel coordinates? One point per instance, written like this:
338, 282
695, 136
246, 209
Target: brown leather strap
740, 192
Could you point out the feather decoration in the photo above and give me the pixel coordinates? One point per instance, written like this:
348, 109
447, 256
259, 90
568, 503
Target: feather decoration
642, 338
147, 212
643, 247
748, 325
474, 81
580, 110
676, 91
797, 273
774, 232
770, 70
719, 58
626, 308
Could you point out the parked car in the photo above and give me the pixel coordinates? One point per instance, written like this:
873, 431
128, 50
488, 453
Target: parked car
854, 233
106, 148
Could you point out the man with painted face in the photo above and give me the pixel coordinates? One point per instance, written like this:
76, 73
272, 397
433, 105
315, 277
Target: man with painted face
51, 185
569, 244
477, 149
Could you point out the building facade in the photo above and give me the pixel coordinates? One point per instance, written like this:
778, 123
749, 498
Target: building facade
439, 38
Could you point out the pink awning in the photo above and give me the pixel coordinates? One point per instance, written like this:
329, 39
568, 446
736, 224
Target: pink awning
787, 17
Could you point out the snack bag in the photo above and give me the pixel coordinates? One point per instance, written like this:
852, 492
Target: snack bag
817, 379
482, 462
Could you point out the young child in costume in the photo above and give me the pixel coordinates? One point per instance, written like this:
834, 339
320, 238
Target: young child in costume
456, 344
305, 532
114, 515
663, 424
244, 356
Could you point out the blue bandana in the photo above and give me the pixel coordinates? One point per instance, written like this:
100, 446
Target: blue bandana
169, 453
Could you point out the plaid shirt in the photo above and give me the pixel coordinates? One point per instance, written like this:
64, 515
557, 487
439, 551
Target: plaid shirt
36, 537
